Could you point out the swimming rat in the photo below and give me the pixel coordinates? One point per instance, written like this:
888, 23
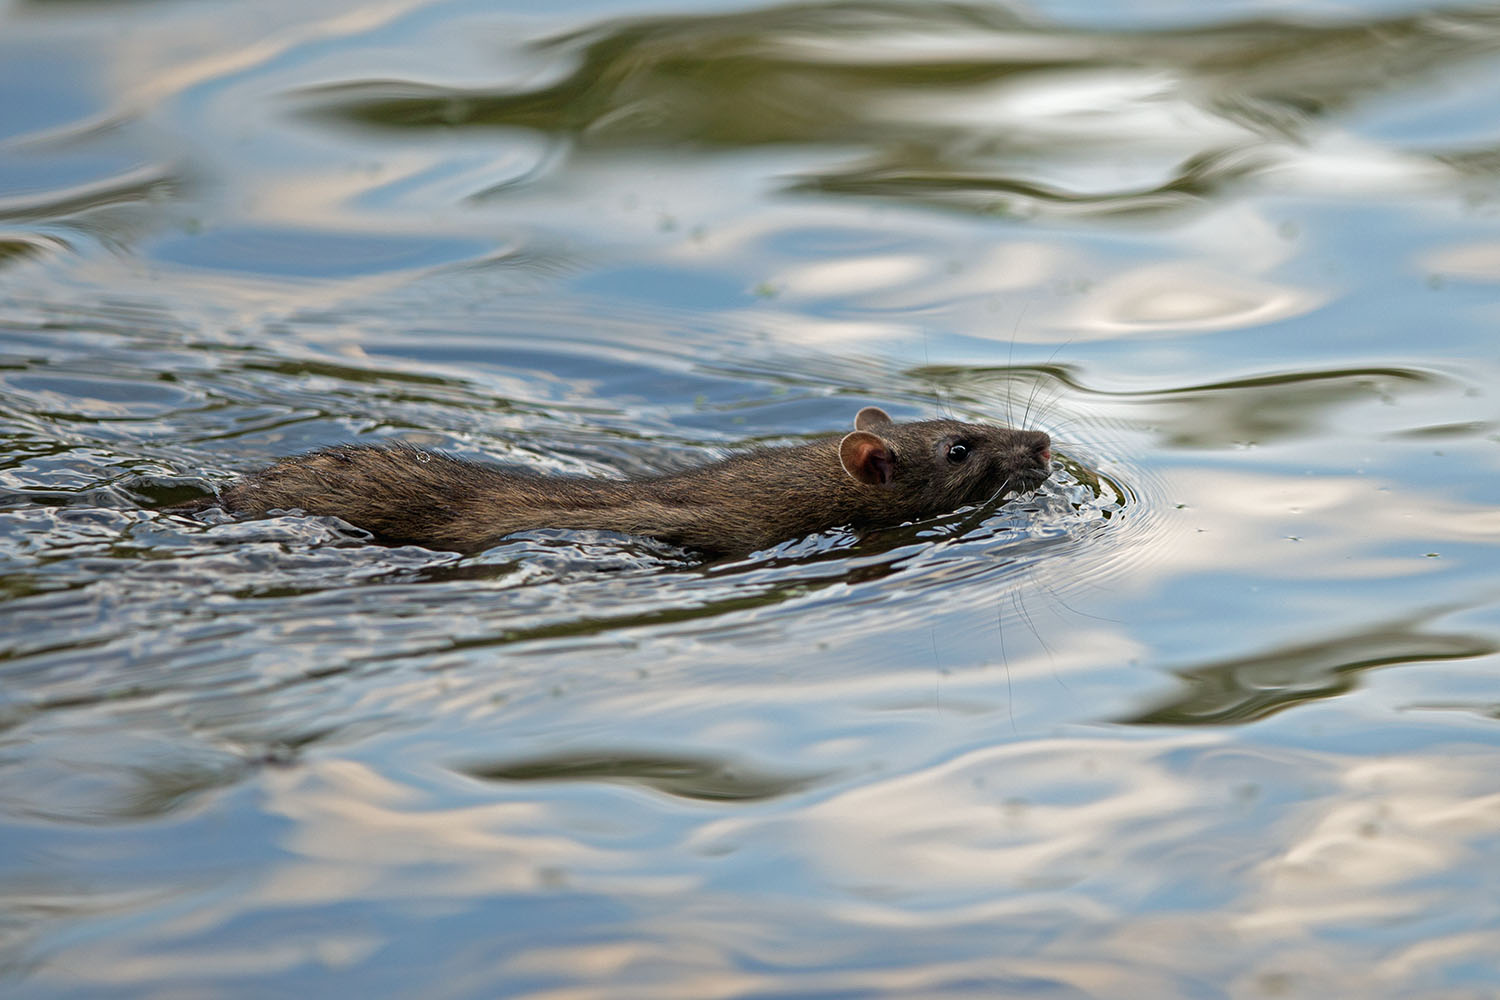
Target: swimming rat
880, 474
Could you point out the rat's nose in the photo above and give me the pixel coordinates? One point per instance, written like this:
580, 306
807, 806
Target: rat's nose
1040, 445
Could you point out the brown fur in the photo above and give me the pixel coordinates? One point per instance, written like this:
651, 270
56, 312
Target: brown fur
881, 474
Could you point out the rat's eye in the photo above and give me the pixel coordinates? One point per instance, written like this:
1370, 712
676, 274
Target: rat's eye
957, 452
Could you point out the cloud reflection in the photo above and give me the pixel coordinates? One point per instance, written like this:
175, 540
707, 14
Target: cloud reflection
1185, 296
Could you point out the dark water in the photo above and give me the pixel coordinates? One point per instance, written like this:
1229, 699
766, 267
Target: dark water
1214, 714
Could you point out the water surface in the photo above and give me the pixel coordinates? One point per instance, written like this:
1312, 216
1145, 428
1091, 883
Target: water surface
1214, 713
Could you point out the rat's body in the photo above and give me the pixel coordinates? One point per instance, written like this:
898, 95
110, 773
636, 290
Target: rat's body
881, 474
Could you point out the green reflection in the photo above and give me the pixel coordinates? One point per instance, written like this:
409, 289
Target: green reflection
692, 777
1225, 692
130, 189
13, 250
939, 102
1211, 415
1277, 407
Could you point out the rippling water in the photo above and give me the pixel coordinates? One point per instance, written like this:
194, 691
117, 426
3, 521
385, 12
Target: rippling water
1214, 713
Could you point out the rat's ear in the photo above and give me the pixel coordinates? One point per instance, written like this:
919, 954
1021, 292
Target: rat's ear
870, 418
866, 458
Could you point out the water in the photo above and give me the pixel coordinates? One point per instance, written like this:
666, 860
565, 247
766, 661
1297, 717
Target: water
1212, 714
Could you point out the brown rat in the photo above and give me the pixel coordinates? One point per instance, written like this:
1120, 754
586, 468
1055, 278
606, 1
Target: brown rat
880, 474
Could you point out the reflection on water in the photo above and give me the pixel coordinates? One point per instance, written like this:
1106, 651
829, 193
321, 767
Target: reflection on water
1254, 687
685, 776
1214, 706
967, 105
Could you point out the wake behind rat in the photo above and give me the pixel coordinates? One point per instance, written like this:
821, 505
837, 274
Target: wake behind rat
880, 474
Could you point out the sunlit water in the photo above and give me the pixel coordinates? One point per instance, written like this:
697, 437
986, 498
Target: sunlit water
1214, 713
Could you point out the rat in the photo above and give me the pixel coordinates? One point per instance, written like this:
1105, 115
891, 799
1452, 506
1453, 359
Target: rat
881, 474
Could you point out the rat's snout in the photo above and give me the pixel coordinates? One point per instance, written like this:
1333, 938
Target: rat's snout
1037, 445
1029, 459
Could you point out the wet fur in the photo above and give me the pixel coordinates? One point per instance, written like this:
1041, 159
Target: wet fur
749, 501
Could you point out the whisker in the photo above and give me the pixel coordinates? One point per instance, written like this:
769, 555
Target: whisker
1000, 492
1031, 624
1050, 358
938, 666
1010, 365
1053, 593
944, 407
1010, 696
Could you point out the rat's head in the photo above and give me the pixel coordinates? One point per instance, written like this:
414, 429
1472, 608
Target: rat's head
934, 466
